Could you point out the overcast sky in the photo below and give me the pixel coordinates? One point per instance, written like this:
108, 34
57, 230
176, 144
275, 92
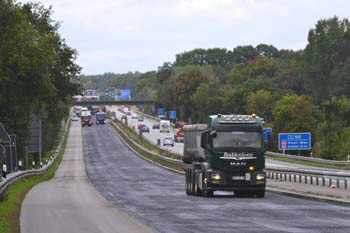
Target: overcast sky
139, 35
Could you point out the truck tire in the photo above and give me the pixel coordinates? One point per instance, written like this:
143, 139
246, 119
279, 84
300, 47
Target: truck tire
197, 191
206, 192
187, 183
189, 180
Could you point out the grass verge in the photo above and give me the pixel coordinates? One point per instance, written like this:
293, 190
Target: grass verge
310, 163
148, 146
14, 195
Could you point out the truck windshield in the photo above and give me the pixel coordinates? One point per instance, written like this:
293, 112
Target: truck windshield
100, 116
238, 141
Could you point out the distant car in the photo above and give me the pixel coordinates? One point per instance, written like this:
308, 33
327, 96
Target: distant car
140, 126
124, 117
145, 129
168, 141
74, 118
140, 118
155, 126
134, 116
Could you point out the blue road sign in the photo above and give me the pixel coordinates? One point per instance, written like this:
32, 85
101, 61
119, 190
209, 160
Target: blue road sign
172, 114
140, 106
266, 134
294, 141
124, 94
161, 113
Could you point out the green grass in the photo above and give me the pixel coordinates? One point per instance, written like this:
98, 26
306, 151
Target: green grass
310, 163
148, 146
11, 201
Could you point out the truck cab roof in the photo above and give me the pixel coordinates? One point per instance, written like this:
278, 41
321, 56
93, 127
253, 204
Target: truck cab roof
235, 119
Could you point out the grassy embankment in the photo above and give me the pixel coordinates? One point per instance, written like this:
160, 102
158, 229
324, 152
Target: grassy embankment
11, 201
135, 137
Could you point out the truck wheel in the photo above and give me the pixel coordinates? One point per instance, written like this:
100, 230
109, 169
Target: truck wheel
206, 192
197, 191
189, 182
187, 185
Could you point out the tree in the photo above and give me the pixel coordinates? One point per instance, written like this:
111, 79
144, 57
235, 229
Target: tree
36, 71
327, 50
184, 86
267, 51
243, 54
261, 103
333, 132
206, 100
293, 114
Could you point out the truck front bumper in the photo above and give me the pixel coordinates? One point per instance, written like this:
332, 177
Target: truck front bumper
250, 181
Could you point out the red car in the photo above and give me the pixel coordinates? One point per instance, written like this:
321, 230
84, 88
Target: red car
86, 120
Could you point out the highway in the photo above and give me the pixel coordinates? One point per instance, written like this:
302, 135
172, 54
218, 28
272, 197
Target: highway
156, 197
68, 203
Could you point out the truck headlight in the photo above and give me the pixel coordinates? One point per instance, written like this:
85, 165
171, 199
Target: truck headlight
260, 176
215, 176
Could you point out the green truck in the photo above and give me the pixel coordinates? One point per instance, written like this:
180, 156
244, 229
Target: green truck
226, 154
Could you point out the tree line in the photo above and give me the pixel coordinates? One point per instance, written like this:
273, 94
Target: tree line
294, 91
36, 71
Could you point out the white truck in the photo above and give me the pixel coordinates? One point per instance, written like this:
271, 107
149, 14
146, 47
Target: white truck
164, 126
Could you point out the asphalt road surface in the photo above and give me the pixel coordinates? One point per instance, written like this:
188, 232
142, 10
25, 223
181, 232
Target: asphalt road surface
68, 203
156, 197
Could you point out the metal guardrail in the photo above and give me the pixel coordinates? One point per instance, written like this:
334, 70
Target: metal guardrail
310, 159
12, 177
171, 160
319, 178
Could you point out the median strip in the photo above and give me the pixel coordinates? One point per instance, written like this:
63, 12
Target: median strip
148, 151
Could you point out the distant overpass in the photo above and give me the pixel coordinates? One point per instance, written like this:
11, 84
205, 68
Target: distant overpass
113, 102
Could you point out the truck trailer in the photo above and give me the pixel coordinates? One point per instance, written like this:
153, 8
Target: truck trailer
226, 154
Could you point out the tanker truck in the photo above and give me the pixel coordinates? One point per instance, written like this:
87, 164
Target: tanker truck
227, 154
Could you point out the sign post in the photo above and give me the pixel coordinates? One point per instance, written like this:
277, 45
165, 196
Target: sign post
266, 134
172, 114
124, 94
161, 113
294, 141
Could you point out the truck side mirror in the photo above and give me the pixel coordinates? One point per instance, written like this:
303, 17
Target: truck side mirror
213, 133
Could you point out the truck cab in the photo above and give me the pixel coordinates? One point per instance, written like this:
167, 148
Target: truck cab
226, 154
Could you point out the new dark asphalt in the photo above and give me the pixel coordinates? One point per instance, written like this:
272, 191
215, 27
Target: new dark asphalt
156, 197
